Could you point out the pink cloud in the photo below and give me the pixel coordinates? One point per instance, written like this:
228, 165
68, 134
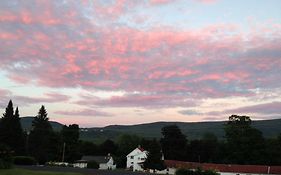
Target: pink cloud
84, 112
266, 108
140, 100
47, 98
64, 47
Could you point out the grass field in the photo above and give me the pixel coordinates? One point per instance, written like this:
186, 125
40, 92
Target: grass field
17, 171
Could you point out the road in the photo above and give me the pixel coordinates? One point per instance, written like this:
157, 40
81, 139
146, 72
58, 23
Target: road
84, 171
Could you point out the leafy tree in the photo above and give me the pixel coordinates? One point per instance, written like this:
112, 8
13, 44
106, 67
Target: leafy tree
11, 133
154, 159
88, 148
273, 147
245, 144
40, 137
210, 147
173, 143
70, 136
108, 146
126, 143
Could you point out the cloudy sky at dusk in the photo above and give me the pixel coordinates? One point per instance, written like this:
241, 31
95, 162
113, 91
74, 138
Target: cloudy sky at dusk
102, 62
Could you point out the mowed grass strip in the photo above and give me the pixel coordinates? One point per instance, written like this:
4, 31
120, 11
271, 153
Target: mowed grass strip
17, 171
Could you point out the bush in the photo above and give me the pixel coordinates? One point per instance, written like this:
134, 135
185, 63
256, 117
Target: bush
211, 172
184, 171
24, 160
6, 160
93, 164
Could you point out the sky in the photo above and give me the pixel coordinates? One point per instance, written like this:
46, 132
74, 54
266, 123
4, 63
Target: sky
106, 62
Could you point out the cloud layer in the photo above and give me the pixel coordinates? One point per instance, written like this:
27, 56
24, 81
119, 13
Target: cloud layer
69, 44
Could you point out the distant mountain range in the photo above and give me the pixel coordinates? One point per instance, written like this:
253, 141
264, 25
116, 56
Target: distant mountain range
193, 130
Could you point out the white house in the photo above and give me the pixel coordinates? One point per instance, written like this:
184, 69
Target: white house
105, 162
136, 158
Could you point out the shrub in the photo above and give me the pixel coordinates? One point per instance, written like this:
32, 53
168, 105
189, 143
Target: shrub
24, 160
184, 171
92, 164
6, 160
211, 172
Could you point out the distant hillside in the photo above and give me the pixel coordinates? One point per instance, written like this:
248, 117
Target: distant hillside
193, 130
26, 123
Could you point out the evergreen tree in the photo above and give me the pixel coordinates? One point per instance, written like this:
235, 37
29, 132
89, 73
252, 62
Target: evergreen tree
11, 133
173, 143
155, 157
40, 137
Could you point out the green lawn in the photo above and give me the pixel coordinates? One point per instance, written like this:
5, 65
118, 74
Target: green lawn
17, 171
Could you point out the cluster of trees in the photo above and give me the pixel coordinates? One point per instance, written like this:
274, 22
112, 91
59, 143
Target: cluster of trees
41, 142
243, 144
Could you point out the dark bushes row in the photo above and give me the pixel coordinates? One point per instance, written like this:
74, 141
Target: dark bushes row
24, 160
184, 171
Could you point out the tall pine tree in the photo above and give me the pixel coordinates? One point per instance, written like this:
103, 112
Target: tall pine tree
11, 133
40, 137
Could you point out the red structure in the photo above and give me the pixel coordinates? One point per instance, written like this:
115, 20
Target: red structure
255, 169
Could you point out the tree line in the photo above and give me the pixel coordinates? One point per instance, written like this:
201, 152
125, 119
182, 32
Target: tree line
41, 142
243, 144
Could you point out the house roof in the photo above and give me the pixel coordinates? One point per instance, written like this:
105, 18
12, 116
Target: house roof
258, 169
138, 148
98, 159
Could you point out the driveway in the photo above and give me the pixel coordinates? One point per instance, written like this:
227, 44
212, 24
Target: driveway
82, 170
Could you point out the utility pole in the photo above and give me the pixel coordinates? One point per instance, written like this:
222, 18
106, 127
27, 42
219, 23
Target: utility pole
63, 151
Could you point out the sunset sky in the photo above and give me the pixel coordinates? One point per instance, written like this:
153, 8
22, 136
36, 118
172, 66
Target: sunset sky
103, 62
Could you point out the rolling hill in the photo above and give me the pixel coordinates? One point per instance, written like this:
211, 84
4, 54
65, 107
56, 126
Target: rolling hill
26, 123
193, 130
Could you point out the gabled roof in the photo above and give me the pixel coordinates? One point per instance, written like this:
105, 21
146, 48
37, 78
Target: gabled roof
141, 150
256, 169
98, 159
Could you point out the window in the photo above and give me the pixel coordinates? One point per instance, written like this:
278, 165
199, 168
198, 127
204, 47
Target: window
132, 157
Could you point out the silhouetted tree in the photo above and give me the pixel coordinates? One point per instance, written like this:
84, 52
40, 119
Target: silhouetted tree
155, 157
173, 143
11, 133
126, 143
245, 144
88, 148
108, 146
40, 137
70, 136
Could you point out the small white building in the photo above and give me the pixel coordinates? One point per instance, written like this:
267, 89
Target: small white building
136, 158
105, 162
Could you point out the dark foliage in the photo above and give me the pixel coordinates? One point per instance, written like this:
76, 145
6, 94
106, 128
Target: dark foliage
92, 164
183, 171
108, 147
11, 133
245, 144
88, 148
24, 160
173, 143
41, 137
70, 136
6, 160
154, 159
